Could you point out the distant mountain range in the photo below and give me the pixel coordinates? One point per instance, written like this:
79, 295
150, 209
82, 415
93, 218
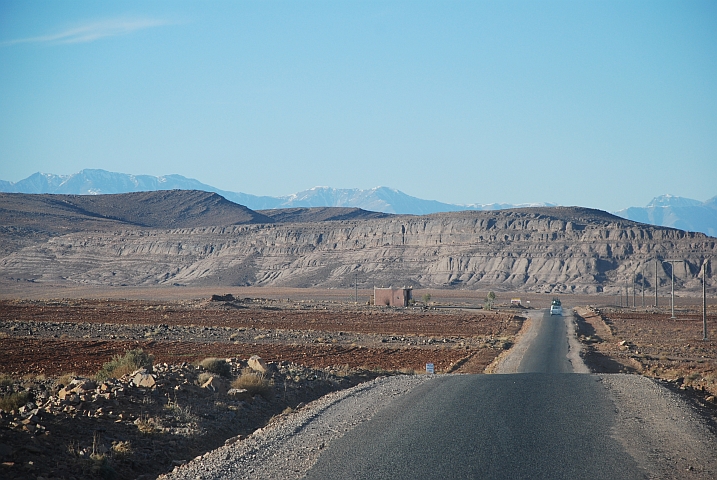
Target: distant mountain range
379, 199
677, 212
665, 210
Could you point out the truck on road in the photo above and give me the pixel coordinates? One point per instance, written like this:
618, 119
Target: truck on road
556, 307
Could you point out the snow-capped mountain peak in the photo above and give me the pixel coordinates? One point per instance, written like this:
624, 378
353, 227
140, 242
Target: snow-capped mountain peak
672, 201
664, 210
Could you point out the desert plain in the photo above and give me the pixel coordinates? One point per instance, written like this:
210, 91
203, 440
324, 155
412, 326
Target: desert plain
55, 340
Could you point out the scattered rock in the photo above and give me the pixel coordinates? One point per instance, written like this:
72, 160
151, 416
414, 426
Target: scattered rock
257, 364
144, 380
239, 393
216, 384
82, 385
233, 440
223, 298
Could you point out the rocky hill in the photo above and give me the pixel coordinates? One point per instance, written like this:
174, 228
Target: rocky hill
319, 214
546, 249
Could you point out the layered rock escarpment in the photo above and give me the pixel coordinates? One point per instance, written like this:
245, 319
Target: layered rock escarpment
537, 249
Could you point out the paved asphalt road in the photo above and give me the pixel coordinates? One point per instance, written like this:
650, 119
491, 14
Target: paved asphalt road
548, 352
543, 423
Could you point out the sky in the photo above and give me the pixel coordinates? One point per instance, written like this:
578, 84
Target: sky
602, 104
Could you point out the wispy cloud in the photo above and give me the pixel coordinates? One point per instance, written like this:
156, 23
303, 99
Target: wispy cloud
93, 31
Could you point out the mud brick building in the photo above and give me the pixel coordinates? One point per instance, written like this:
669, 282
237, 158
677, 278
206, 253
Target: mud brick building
392, 297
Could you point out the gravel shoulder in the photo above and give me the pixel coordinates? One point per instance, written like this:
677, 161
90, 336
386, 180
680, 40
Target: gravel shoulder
509, 361
662, 432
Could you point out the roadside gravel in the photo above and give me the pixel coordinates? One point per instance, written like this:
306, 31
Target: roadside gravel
509, 361
660, 430
287, 449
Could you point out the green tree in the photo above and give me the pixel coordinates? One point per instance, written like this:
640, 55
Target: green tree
489, 300
426, 298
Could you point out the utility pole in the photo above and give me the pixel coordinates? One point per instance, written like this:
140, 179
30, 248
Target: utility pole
673, 289
356, 285
642, 286
655, 282
634, 282
672, 262
704, 300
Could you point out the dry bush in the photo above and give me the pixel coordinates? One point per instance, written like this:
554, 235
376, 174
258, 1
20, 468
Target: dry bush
218, 366
6, 380
254, 383
343, 370
122, 449
119, 366
377, 370
66, 379
147, 425
692, 377
13, 401
203, 377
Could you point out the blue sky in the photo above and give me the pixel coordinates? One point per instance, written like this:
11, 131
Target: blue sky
600, 104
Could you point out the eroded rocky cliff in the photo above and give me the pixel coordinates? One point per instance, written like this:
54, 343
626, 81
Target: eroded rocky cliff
537, 249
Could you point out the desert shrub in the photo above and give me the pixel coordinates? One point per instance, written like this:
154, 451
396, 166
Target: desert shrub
694, 376
203, 377
13, 401
122, 449
374, 370
119, 366
343, 371
218, 366
101, 467
6, 380
66, 378
255, 383
146, 425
